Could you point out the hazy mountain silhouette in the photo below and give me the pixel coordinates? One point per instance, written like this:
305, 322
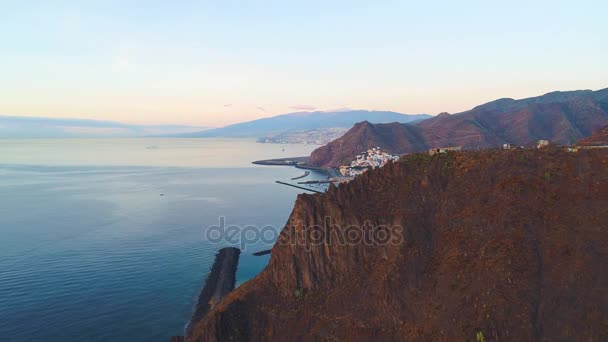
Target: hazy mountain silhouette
305, 121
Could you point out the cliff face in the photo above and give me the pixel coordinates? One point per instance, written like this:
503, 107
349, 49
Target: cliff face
508, 244
561, 117
599, 138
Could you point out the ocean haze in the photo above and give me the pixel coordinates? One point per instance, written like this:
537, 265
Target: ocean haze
44, 127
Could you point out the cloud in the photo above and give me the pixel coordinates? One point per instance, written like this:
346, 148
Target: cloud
303, 107
228, 105
261, 109
340, 109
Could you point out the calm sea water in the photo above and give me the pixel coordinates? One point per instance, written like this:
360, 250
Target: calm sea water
91, 251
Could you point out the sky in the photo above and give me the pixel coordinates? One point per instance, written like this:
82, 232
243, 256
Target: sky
212, 63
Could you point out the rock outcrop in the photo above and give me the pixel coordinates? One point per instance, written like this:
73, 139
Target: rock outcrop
220, 281
509, 245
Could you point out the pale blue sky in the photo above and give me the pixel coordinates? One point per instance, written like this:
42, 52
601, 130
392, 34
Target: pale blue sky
218, 62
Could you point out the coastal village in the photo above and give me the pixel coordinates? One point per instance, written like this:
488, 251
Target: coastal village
370, 159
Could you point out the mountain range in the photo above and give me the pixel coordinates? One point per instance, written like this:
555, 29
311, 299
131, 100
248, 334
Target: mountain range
42, 127
560, 117
304, 121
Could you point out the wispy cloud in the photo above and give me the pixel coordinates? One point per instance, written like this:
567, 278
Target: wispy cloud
303, 107
261, 109
228, 105
340, 109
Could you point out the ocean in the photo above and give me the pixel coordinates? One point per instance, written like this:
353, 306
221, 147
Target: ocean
104, 239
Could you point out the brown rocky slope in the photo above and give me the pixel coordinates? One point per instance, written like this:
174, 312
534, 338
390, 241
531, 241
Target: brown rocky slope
599, 138
509, 244
561, 117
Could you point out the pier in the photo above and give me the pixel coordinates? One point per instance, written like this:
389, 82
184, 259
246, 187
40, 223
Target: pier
300, 187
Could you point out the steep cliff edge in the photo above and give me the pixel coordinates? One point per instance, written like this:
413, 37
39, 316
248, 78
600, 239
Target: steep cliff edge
511, 245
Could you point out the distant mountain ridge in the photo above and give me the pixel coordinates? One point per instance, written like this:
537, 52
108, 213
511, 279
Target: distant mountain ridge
44, 127
302, 121
561, 117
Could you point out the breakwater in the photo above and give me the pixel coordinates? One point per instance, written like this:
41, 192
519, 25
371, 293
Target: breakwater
315, 182
306, 173
298, 162
313, 168
293, 161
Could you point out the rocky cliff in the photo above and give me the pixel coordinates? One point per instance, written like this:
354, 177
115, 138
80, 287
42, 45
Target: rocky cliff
220, 281
509, 245
561, 117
